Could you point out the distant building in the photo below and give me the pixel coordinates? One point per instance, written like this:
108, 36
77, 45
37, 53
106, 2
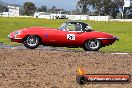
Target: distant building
127, 3
5, 14
13, 11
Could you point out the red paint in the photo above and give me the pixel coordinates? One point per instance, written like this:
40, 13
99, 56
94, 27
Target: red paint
55, 37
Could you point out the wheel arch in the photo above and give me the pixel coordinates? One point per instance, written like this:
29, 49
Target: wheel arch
33, 35
87, 48
93, 39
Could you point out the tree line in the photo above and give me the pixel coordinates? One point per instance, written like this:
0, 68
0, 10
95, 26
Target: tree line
101, 7
29, 9
3, 8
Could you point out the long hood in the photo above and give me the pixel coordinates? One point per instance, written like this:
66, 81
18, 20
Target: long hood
101, 34
37, 28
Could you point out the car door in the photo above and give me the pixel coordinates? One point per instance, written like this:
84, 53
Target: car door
70, 36
74, 34
54, 38
66, 38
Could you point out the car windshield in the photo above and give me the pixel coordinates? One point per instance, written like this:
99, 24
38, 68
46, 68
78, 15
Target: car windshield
88, 27
62, 27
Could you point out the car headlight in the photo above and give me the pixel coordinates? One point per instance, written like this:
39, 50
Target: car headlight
17, 32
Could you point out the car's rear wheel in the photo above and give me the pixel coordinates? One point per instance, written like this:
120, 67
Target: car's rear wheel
31, 42
92, 45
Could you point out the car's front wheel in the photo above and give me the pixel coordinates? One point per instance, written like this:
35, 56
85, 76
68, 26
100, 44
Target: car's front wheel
31, 42
92, 45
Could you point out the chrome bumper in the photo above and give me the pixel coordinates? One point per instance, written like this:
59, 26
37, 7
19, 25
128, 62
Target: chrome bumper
13, 38
117, 38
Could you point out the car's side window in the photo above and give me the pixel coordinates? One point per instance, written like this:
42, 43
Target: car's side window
71, 27
78, 27
74, 27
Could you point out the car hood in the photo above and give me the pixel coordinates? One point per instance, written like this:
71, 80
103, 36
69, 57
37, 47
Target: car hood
37, 28
101, 34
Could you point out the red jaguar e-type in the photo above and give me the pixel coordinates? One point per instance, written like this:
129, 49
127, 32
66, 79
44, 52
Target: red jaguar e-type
70, 34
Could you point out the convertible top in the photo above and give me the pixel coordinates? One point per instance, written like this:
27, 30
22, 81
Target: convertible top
74, 22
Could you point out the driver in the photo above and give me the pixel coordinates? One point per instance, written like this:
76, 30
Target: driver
68, 27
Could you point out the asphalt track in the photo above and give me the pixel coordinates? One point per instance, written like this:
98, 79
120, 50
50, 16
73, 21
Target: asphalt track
50, 48
41, 47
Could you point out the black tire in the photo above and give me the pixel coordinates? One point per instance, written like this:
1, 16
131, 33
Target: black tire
81, 80
31, 42
92, 45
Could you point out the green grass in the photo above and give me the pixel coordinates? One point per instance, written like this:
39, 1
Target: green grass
121, 29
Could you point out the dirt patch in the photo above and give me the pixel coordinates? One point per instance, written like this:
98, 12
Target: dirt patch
23, 68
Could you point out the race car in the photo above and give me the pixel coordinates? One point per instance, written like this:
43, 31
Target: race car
69, 34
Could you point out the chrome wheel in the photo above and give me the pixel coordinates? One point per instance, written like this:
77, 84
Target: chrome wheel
31, 42
92, 45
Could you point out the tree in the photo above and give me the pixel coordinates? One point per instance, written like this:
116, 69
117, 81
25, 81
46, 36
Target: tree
29, 8
103, 7
82, 5
42, 9
3, 8
53, 9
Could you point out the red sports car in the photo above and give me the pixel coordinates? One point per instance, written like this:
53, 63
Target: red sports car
69, 34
